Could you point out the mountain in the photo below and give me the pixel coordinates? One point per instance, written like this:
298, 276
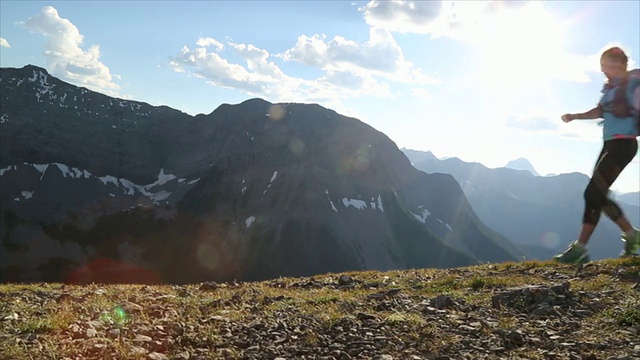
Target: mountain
522, 164
99, 189
632, 198
416, 156
542, 215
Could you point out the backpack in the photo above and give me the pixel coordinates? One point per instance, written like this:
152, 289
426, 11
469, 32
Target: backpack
620, 106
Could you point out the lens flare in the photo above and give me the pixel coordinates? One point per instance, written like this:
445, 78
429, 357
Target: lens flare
362, 159
208, 256
117, 316
120, 314
358, 161
277, 112
296, 146
550, 239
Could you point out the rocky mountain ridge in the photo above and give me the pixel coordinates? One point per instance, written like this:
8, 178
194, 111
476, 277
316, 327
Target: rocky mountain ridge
249, 191
542, 215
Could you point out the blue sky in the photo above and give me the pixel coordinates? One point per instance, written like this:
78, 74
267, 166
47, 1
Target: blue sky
483, 81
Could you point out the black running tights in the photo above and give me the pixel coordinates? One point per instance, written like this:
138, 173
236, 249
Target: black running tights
615, 155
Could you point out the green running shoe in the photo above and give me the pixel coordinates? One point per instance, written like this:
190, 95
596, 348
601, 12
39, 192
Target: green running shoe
631, 244
575, 254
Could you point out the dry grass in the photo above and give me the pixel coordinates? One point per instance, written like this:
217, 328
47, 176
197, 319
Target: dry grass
378, 313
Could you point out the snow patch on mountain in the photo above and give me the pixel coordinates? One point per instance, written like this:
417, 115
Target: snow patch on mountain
109, 179
43, 82
423, 216
361, 204
127, 187
358, 204
74, 173
162, 179
333, 207
377, 203
8, 168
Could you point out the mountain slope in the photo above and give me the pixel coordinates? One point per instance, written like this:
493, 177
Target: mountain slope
250, 191
632, 198
540, 214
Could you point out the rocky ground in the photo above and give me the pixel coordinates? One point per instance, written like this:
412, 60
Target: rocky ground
528, 310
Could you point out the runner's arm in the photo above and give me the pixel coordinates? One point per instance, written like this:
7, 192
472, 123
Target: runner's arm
594, 113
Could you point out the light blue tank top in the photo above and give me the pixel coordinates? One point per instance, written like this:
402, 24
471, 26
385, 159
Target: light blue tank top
617, 127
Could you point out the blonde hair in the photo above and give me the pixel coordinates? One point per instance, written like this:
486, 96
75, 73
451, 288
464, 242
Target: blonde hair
616, 54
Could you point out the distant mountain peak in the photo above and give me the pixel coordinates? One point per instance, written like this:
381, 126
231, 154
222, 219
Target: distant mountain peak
30, 67
521, 164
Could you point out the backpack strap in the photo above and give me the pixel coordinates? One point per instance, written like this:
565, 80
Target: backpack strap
619, 105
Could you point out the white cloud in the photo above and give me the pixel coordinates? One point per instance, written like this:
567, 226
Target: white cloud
587, 131
454, 19
356, 81
379, 56
533, 123
258, 60
256, 73
420, 93
350, 69
519, 40
308, 50
379, 53
64, 56
206, 42
403, 16
4, 42
212, 67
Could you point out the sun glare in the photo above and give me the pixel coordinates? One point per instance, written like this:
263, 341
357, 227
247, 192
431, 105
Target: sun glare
519, 47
